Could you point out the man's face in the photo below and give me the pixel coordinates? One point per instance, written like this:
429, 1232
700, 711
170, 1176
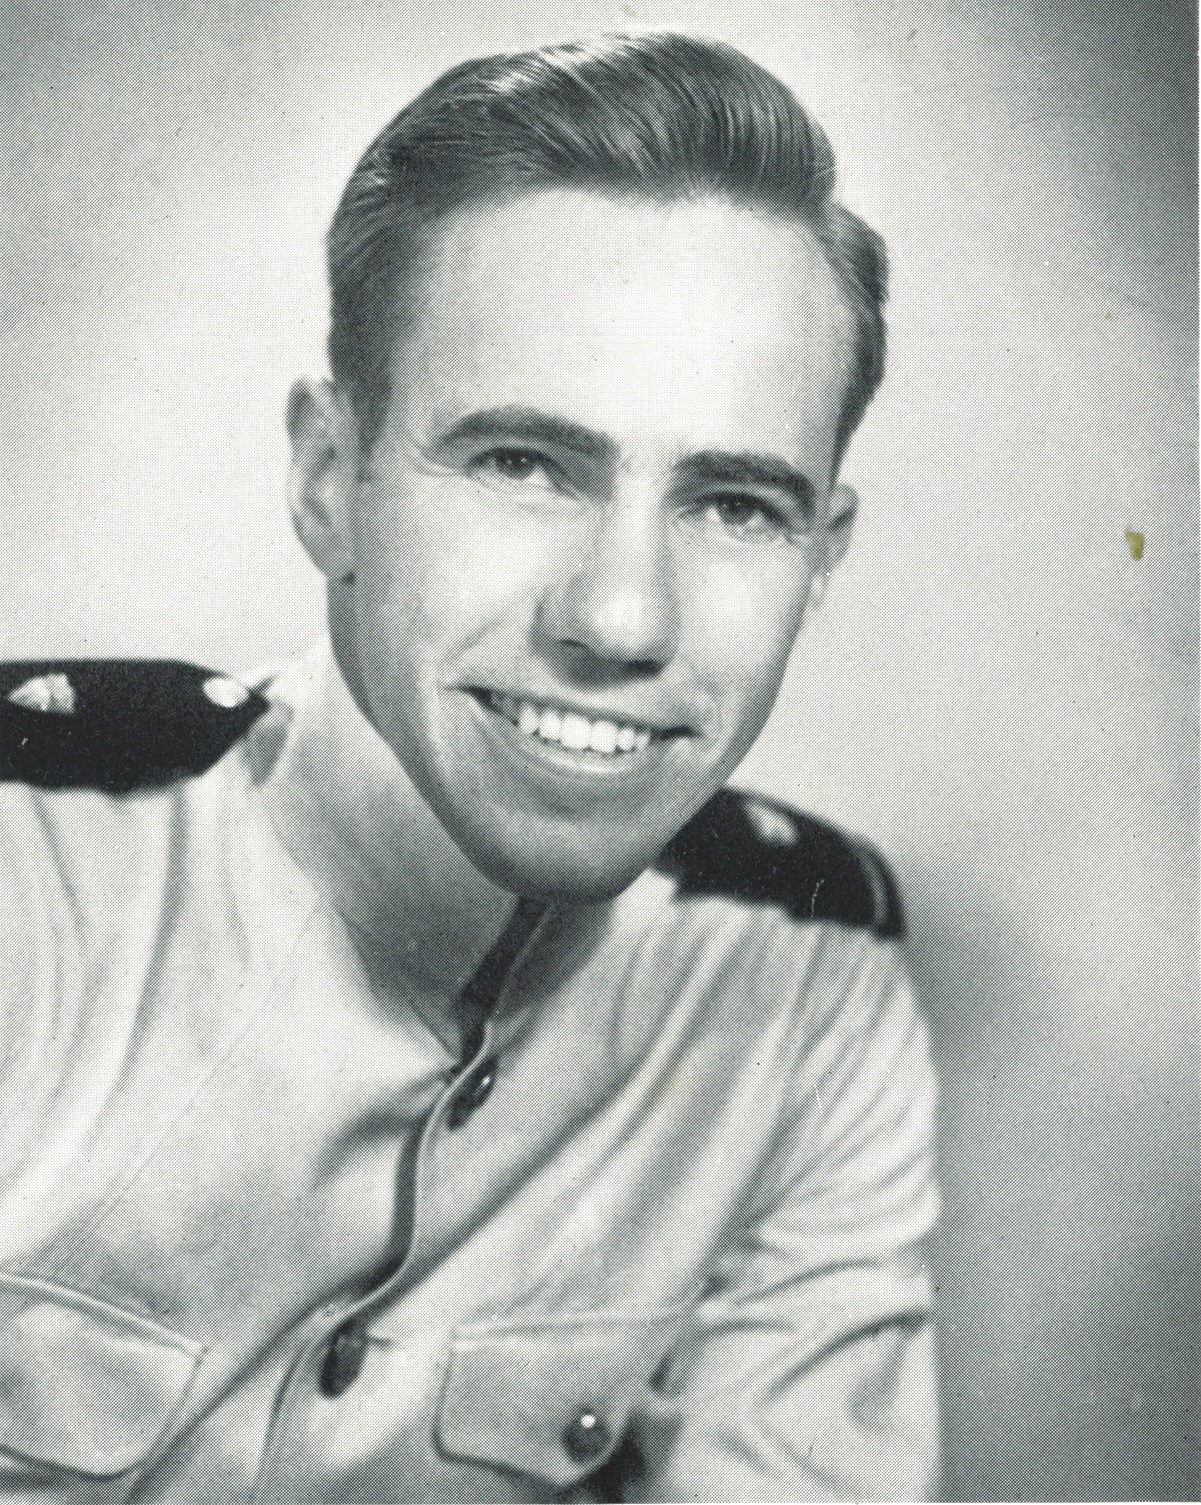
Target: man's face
582, 545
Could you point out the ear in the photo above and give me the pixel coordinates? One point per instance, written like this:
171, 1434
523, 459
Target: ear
844, 503
324, 475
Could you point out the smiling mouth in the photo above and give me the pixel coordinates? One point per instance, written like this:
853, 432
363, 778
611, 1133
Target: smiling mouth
571, 730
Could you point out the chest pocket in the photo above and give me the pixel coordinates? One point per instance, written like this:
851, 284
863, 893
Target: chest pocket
84, 1385
550, 1401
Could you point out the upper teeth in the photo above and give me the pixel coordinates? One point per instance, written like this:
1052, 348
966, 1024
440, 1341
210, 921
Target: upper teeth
571, 730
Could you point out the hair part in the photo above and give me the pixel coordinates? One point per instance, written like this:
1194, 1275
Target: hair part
660, 116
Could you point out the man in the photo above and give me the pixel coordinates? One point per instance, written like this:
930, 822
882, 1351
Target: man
423, 1080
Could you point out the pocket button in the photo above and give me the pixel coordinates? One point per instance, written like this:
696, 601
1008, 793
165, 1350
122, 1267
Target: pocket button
586, 1437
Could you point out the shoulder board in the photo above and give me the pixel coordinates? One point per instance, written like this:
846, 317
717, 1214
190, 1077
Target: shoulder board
760, 852
117, 724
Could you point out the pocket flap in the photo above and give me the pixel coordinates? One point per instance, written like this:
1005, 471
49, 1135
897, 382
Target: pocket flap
549, 1401
84, 1385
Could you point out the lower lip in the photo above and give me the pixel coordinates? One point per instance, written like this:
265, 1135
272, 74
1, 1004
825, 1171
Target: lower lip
583, 764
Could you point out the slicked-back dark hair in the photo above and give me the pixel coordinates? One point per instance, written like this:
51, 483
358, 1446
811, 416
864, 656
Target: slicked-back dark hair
660, 116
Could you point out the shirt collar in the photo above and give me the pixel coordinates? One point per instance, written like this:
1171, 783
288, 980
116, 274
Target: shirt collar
352, 820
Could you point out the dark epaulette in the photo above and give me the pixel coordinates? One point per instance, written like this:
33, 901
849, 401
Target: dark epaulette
761, 852
117, 724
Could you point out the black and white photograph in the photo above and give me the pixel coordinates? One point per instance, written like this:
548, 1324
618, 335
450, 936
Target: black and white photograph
599, 752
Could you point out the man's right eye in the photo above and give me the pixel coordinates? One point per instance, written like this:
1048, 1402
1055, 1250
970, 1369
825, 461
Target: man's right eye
512, 464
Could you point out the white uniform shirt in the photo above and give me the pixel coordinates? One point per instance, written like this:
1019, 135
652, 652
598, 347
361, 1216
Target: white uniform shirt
262, 1237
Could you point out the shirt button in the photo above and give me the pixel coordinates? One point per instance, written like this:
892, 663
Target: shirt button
473, 1094
586, 1438
343, 1358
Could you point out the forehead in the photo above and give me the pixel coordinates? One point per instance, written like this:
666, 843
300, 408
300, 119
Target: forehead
695, 324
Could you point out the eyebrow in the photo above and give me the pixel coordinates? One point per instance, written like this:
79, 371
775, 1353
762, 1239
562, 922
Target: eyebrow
528, 426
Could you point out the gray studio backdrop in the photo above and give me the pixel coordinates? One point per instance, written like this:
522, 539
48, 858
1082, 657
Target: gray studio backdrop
997, 690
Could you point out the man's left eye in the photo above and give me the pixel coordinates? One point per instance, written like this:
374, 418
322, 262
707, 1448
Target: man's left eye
743, 515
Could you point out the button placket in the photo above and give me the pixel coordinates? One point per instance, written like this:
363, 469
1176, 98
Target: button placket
485, 998
453, 1108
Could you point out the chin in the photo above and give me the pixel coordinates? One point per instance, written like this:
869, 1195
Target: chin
558, 873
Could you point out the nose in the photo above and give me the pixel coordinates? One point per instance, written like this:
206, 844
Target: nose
616, 599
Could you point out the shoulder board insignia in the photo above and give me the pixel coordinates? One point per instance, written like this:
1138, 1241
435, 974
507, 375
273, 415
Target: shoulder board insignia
761, 852
117, 724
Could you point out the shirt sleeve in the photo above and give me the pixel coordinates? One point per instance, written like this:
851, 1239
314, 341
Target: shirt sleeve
808, 1371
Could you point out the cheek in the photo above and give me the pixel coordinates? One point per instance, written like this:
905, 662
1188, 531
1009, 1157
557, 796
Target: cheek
742, 640
440, 567
750, 620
